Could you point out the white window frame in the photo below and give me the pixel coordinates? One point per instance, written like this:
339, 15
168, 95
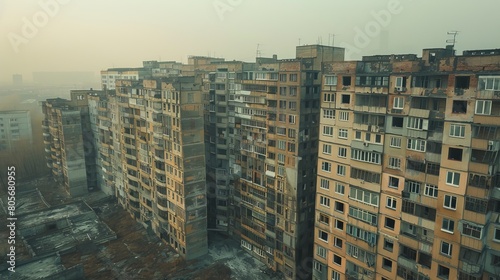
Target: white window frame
453, 178
417, 123
483, 107
321, 251
343, 116
395, 142
472, 228
342, 152
431, 190
341, 170
329, 114
327, 149
339, 188
457, 130
398, 103
416, 144
452, 200
445, 252
320, 236
331, 80
448, 225
324, 184
326, 166
343, 133
324, 201
394, 163
391, 203
328, 130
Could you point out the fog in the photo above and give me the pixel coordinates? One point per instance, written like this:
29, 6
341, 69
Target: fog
91, 35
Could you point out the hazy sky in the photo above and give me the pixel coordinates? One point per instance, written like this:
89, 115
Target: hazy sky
91, 35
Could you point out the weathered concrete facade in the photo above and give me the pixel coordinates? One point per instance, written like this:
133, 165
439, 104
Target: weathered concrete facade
408, 168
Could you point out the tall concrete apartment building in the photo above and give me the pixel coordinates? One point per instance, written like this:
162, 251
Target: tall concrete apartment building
15, 129
408, 171
262, 123
69, 143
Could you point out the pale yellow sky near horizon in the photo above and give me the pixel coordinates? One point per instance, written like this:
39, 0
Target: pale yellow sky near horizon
91, 35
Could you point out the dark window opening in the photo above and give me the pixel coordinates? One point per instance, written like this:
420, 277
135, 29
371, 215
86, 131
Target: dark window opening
390, 223
459, 107
346, 80
397, 122
424, 259
455, 154
346, 99
462, 82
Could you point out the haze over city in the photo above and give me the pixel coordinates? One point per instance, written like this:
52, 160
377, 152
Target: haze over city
92, 35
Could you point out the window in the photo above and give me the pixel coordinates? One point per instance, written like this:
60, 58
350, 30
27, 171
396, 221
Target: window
443, 272
318, 266
330, 80
329, 97
397, 122
455, 154
335, 275
346, 80
393, 182
344, 115
293, 91
281, 158
446, 248
339, 206
343, 133
388, 245
346, 99
293, 77
459, 107
363, 215
394, 163
396, 142
357, 135
291, 119
496, 235
365, 156
483, 107
387, 264
341, 170
416, 144
324, 184
281, 144
337, 260
391, 202
364, 196
453, 178
322, 235
457, 130
339, 224
472, 230
338, 242
328, 113
327, 130
327, 149
342, 152
448, 225
398, 103
324, 201
462, 82
400, 83
282, 77
324, 219
489, 83
321, 251
431, 190
326, 166
412, 186
390, 223
417, 123
450, 202
339, 188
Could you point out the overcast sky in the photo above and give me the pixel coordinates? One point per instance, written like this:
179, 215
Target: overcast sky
91, 35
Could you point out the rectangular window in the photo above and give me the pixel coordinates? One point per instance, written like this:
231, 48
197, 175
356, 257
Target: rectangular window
450, 202
324, 201
291, 119
483, 107
326, 166
321, 251
328, 113
446, 248
416, 144
323, 235
472, 230
327, 130
324, 184
341, 170
324, 219
393, 182
457, 130
339, 188
496, 235
391, 202
330, 80
343, 133
448, 225
339, 206
281, 144
431, 190
453, 178
337, 260
293, 77
327, 149
364, 196
344, 115
417, 123
394, 163
329, 97
365, 156
398, 103
342, 152
339, 225
489, 83
395, 142
363, 215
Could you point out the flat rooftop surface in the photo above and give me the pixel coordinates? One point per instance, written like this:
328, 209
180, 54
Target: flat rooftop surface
37, 269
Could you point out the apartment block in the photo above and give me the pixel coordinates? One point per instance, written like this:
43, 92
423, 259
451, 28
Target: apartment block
163, 159
262, 124
15, 129
408, 167
69, 142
